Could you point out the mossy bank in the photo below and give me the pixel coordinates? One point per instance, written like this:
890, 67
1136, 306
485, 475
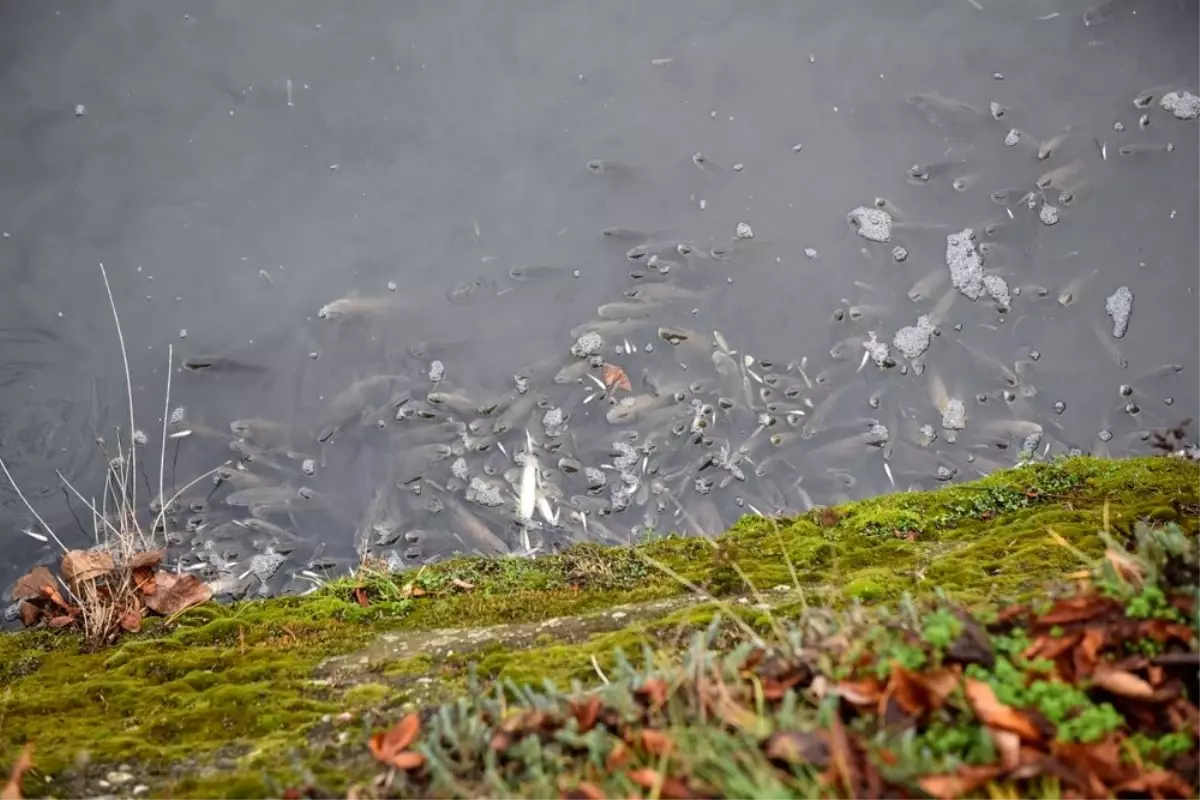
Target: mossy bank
248, 699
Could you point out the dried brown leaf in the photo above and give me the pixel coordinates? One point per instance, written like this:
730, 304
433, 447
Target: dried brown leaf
29, 587
967, 779
619, 756
1078, 608
864, 694
615, 378
50, 592
995, 714
143, 580
919, 693
24, 762
407, 760
972, 646
131, 620
79, 566
1008, 745
30, 614
653, 691
586, 713
795, 747
1121, 683
175, 593
656, 743
146, 560
360, 596
585, 791
1159, 783
1086, 655
645, 777
61, 621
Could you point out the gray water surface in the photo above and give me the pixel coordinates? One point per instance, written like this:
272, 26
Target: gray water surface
239, 167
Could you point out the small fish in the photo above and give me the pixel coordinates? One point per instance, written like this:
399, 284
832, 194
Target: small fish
512, 416
572, 372
604, 166
926, 286
537, 272
816, 420
1070, 293
628, 234
1056, 178
347, 308
629, 408
920, 174
609, 327
1047, 148
663, 292
938, 109
1144, 149
454, 401
964, 182
263, 431
219, 364
469, 525
528, 496
266, 277
625, 311
267, 528
993, 364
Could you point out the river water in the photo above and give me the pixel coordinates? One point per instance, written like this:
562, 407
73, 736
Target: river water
322, 201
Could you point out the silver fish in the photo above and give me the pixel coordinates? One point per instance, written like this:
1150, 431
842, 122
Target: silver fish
219, 364
348, 308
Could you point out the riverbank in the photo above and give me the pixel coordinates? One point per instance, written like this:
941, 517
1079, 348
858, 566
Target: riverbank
263, 697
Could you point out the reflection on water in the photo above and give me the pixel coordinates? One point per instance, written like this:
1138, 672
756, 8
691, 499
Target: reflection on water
689, 263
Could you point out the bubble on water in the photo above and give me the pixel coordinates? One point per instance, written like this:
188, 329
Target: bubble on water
437, 371
796, 148
1048, 214
954, 415
738, 167
1105, 435
1059, 407
872, 224
997, 287
554, 421
899, 254
391, 285
1012, 137
80, 109
1169, 401
744, 231
877, 351
589, 344
914, 340
460, 470
1183, 106
140, 437
314, 355
997, 109
484, 493
810, 252
178, 414
1119, 306
966, 266
1118, 126
703, 485
183, 333
308, 466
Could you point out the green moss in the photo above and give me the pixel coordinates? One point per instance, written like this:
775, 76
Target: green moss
241, 684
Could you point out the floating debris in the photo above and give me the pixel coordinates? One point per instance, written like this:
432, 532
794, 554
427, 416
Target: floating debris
965, 263
437, 371
899, 254
914, 340
308, 466
997, 287
872, 224
1012, 137
1119, 306
810, 252
81, 109
877, 351
1048, 214
484, 493
1183, 106
554, 422
744, 231
997, 110
928, 435
589, 344
954, 415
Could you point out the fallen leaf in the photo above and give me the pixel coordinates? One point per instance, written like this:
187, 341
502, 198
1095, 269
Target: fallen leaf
972, 646
656, 743
615, 378
668, 788
919, 693
407, 760
388, 747
967, 779
131, 621
61, 621
143, 580
1085, 656
1008, 745
146, 560
1126, 567
995, 714
1076, 609
24, 762
30, 614
1121, 683
586, 713
360, 596
29, 587
175, 593
79, 566
794, 747
50, 592
619, 756
466, 586
585, 791
865, 693
654, 691
417, 591
1159, 783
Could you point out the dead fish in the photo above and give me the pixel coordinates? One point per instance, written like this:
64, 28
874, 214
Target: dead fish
219, 364
1047, 148
354, 307
537, 272
1056, 178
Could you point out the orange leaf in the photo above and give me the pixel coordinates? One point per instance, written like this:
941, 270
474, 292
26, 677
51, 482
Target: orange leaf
995, 714
617, 757
407, 760
51, 594
24, 762
656, 743
585, 713
1119, 682
615, 378
966, 780
60, 621
175, 593
30, 613
861, 693
1159, 783
417, 591
29, 587
402, 734
644, 777
654, 690
360, 596
86, 565
131, 621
